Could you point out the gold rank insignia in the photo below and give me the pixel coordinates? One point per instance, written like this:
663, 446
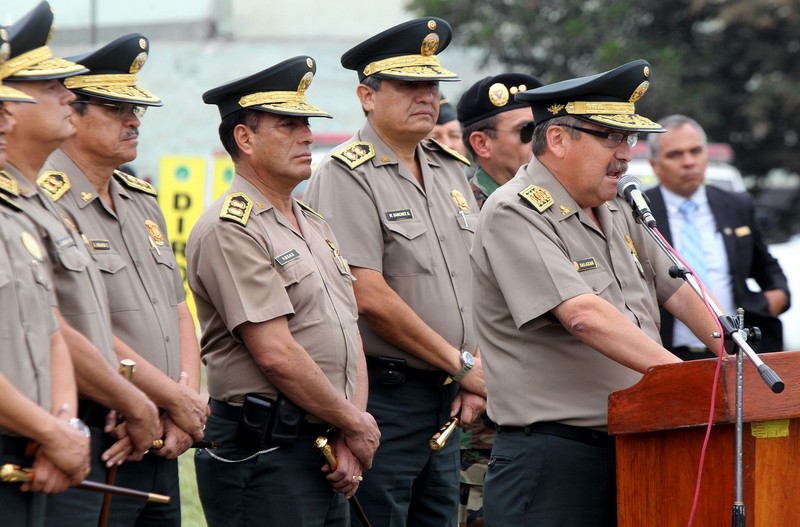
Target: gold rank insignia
154, 231
539, 198
460, 201
452, 152
135, 183
55, 184
8, 184
742, 231
86, 196
565, 210
355, 154
237, 207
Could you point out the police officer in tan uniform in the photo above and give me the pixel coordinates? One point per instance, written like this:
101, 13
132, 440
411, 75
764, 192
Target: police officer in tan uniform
119, 218
279, 322
405, 216
36, 379
493, 127
566, 292
82, 310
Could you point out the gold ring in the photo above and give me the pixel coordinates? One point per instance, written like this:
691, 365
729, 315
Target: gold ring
358, 478
157, 444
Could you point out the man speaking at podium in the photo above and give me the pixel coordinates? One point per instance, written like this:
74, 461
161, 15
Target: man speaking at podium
566, 291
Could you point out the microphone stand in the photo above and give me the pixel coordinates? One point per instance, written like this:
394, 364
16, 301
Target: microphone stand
733, 329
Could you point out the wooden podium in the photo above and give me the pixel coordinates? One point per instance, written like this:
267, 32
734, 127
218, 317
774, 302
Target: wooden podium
659, 425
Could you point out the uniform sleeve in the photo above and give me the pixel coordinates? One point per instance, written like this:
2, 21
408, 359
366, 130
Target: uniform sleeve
345, 199
238, 277
530, 266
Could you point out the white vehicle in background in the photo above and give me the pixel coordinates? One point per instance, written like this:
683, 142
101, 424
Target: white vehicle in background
720, 172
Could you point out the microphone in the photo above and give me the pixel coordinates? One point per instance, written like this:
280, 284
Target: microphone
630, 188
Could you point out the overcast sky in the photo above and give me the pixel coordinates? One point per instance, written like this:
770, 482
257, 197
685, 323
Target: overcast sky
77, 13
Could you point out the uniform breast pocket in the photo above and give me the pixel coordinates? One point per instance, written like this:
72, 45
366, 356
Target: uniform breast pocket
304, 290
166, 268
406, 251
467, 224
117, 280
597, 279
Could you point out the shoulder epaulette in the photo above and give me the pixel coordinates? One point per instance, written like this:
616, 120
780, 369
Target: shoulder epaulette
237, 207
452, 152
309, 209
135, 183
10, 202
8, 184
355, 154
54, 183
538, 197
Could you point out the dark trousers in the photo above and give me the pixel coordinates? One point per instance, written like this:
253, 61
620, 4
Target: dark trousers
80, 508
410, 485
540, 480
151, 474
22, 509
282, 487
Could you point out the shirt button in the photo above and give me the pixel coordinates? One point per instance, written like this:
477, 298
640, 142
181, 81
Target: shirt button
462, 309
594, 288
452, 273
155, 300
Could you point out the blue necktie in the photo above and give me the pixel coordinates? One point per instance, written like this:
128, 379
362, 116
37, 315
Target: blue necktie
692, 249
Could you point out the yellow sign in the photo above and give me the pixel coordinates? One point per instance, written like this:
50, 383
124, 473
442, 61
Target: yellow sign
221, 176
770, 429
181, 194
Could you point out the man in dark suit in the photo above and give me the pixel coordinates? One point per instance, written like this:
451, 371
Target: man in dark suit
730, 247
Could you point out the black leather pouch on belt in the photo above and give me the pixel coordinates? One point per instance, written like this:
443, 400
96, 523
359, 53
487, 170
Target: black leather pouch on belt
391, 370
265, 423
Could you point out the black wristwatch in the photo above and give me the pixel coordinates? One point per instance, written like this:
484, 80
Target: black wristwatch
467, 363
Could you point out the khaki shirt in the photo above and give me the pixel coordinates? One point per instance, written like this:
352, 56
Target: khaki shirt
262, 268
79, 288
525, 264
26, 296
419, 239
130, 247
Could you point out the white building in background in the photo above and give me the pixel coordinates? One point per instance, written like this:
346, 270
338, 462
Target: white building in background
199, 44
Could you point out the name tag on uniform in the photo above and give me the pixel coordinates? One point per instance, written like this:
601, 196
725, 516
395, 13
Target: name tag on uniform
100, 245
287, 257
585, 264
402, 214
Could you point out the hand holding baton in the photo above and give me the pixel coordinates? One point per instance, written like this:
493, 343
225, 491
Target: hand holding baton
322, 444
10, 473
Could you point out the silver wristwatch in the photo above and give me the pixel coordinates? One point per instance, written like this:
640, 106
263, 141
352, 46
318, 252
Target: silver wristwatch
467, 363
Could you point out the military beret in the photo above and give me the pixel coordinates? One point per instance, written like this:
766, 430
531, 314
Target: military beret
31, 58
606, 98
112, 71
406, 52
6, 92
446, 112
492, 95
279, 89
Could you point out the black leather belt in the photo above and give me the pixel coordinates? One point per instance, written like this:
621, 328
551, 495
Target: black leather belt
14, 446
573, 433
230, 412
429, 377
92, 413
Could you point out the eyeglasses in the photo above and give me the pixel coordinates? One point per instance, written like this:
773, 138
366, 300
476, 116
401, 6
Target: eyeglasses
122, 109
612, 139
520, 130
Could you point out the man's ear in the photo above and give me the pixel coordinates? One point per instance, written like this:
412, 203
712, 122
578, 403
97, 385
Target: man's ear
243, 136
367, 97
556, 136
479, 142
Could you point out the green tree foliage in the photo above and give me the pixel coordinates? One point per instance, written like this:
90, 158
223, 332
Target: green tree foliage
731, 64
